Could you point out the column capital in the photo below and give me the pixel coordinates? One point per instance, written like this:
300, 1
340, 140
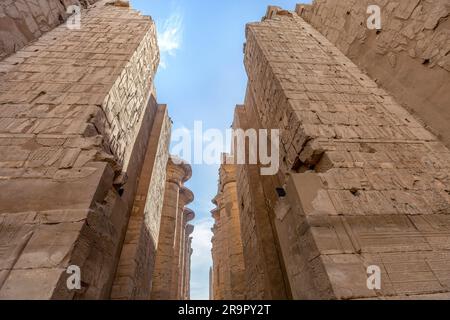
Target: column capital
215, 213
227, 173
178, 170
189, 229
217, 199
189, 214
186, 197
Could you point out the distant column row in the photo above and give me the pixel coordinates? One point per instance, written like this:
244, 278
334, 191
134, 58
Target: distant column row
172, 269
228, 277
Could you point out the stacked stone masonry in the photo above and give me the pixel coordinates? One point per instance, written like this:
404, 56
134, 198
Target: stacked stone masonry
22, 21
264, 272
83, 156
409, 56
136, 265
366, 184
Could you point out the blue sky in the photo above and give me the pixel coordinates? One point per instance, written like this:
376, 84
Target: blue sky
202, 77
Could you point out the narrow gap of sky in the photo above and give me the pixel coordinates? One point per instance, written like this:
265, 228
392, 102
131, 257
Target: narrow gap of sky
201, 78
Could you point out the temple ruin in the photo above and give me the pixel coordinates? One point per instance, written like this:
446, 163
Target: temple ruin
86, 178
88, 186
363, 182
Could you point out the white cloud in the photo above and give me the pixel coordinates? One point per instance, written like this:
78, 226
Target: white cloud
201, 241
201, 259
170, 36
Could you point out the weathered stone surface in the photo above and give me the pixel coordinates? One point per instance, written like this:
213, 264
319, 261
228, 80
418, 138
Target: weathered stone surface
265, 276
22, 21
172, 269
186, 289
185, 255
228, 277
366, 184
134, 273
84, 146
409, 57
355, 204
185, 197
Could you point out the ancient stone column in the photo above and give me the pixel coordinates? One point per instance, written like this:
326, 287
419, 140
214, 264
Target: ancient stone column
186, 197
225, 263
189, 215
211, 284
230, 210
163, 277
187, 261
217, 255
227, 244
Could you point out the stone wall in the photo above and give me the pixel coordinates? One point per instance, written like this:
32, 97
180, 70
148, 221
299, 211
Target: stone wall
133, 279
366, 183
409, 56
22, 21
76, 113
265, 277
227, 250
